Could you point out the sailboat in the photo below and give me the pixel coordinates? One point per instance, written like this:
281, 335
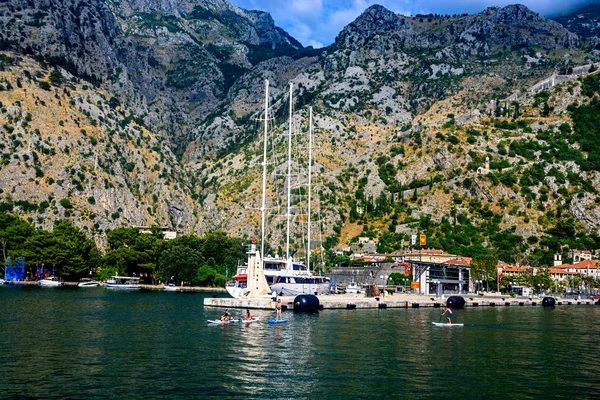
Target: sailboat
284, 276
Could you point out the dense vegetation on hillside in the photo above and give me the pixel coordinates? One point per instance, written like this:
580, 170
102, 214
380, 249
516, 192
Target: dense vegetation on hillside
70, 254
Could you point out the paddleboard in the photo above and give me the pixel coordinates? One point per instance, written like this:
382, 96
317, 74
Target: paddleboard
249, 321
446, 324
219, 322
277, 321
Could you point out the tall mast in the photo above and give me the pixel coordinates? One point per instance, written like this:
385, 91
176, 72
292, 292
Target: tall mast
264, 183
289, 179
309, 184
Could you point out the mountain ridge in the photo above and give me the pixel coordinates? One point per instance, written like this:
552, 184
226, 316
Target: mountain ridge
406, 109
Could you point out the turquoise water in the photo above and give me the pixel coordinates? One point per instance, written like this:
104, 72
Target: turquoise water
94, 344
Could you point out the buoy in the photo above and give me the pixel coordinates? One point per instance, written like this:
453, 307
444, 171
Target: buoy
306, 303
455, 302
548, 302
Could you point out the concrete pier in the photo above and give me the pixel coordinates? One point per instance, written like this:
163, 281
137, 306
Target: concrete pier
352, 302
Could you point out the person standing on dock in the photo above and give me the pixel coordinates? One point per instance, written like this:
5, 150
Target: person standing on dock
278, 309
449, 311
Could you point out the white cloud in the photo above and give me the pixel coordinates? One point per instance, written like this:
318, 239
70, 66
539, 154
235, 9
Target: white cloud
307, 9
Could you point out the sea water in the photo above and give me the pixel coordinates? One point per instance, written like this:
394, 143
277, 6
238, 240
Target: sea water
94, 343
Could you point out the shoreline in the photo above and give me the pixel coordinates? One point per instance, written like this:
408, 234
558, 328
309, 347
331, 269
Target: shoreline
142, 286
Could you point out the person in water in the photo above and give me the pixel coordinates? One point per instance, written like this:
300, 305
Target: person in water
248, 317
449, 311
278, 309
225, 317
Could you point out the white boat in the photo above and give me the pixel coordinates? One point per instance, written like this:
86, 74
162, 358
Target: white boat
89, 284
123, 283
2, 281
284, 276
171, 287
353, 288
51, 281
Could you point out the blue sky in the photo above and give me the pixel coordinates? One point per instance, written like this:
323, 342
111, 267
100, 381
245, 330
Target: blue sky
317, 22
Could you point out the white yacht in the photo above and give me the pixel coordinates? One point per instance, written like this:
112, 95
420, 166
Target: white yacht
51, 281
2, 281
123, 283
284, 276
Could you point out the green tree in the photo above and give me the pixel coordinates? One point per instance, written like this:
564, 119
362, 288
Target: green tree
179, 262
130, 251
55, 77
546, 110
208, 276
13, 235
484, 267
397, 278
66, 249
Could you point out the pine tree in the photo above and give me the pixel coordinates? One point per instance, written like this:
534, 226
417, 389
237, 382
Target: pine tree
546, 110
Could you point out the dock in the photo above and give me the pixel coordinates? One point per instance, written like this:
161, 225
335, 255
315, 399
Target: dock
352, 302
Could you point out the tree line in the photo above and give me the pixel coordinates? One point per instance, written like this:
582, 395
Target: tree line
69, 253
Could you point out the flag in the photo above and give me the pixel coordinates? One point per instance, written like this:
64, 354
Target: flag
414, 239
499, 272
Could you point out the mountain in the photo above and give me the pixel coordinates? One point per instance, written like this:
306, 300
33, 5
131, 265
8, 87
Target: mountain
169, 62
167, 97
583, 22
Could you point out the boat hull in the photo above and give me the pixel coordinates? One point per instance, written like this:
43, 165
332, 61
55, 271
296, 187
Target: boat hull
122, 287
51, 283
88, 284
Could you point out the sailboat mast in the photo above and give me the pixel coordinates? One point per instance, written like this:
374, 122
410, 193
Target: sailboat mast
264, 183
309, 184
289, 179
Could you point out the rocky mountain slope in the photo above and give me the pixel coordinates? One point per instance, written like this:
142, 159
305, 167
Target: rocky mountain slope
583, 22
168, 62
141, 112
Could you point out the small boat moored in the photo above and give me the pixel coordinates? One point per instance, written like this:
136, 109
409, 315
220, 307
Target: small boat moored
123, 283
354, 288
171, 287
87, 283
51, 281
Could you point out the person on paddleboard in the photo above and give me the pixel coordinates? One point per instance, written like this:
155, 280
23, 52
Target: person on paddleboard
278, 310
248, 317
225, 317
449, 311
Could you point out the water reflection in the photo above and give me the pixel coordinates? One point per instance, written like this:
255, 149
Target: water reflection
83, 344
